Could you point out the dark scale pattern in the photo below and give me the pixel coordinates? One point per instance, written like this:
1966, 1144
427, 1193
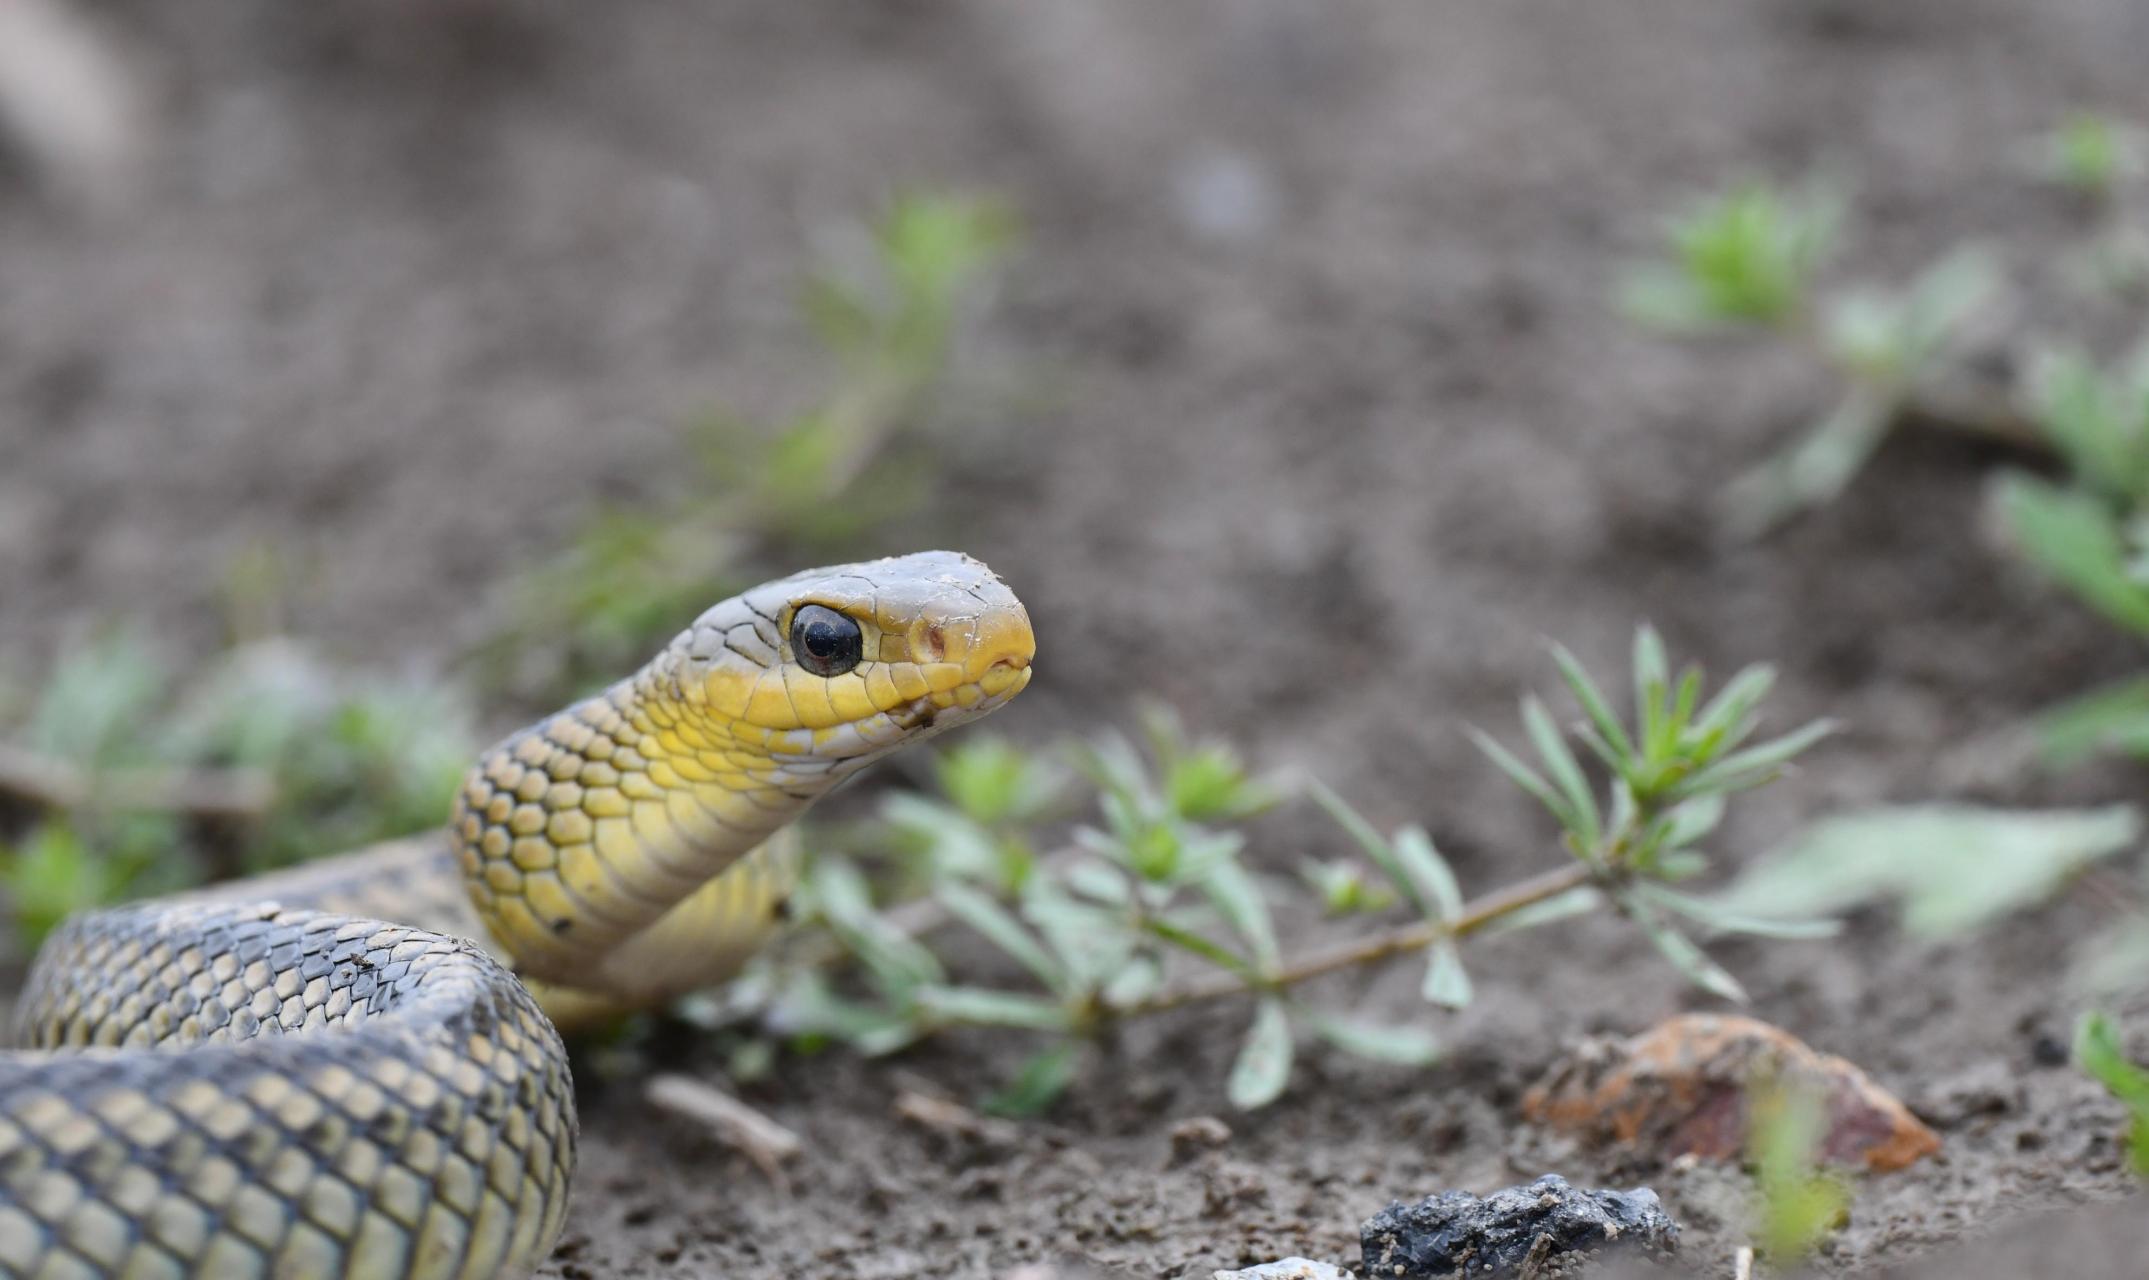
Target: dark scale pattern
355, 1099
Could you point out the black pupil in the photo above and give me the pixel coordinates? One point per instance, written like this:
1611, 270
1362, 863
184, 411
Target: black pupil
825, 642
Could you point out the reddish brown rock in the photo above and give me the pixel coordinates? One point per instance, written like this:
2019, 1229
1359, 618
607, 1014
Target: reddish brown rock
1681, 1088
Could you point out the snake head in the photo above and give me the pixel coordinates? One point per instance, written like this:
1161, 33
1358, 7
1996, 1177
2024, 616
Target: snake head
844, 664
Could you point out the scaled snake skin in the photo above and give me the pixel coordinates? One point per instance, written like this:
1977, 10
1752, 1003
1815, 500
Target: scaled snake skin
270, 1079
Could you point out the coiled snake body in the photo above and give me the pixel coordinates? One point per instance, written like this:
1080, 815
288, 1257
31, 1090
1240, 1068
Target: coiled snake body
271, 1080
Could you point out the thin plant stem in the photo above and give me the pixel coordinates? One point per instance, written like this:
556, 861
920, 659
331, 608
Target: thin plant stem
1401, 940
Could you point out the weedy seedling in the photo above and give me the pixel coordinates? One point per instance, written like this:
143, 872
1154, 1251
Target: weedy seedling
1155, 906
144, 784
2090, 153
1797, 1202
804, 487
1750, 260
2098, 1051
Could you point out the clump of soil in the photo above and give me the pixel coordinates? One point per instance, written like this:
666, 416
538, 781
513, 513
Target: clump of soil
1327, 421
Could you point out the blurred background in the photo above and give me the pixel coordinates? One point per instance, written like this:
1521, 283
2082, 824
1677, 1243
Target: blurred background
374, 375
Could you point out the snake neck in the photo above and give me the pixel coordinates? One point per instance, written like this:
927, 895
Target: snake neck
582, 831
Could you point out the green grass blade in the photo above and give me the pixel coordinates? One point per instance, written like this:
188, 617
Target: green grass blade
1238, 899
1523, 776
1616, 745
1429, 871
999, 927
1566, 771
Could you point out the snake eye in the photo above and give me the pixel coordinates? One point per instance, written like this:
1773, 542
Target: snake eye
824, 641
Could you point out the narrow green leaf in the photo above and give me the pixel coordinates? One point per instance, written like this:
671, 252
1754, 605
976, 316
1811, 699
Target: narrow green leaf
1361, 832
1652, 675
1214, 952
1755, 765
1724, 920
1523, 776
983, 1007
1617, 748
1562, 906
1953, 867
1263, 1067
1404, 1046
1447, 983
2097, 1048
1376, 847
2077, 540
1686, 957
1814, 469
1137, 980
1728, 718
1238, 899
1038, 1084
1565, 769
1685, 698
1100, 881
2113, 718
1690, 820
840, 892
1000, 928
1430, 872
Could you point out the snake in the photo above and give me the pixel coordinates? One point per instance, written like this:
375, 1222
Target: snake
355, 1068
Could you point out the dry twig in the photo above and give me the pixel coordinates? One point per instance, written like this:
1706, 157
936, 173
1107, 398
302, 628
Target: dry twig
730, 1121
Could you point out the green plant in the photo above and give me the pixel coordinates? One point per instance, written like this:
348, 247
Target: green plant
143, 783
1888, 347
1749, 259
811, 484
2090, 532
2089, 152
1952, 868
1798, 1202
1155, 905
2098, 1051
1744, 256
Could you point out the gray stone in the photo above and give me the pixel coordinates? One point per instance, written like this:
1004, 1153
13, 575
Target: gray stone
1288, 1269
1519, 1230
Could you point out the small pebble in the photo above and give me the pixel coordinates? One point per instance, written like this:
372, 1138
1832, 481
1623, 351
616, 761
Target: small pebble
1287, 1269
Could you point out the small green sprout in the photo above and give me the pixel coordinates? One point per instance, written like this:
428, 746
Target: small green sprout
1744, 257
264, 758
816, 482
2091, 153
2098, 420
1670, 777
53, 873
1799, 1202
1888, 346
2098, 1051
1344, 889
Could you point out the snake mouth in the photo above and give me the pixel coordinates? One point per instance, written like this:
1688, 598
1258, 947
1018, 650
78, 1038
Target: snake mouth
989, 692
1006, 677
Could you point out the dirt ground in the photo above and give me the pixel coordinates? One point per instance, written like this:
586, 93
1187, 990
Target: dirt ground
1336, 423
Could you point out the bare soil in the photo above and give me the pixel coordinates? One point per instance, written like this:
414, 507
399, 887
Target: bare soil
1329, 421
